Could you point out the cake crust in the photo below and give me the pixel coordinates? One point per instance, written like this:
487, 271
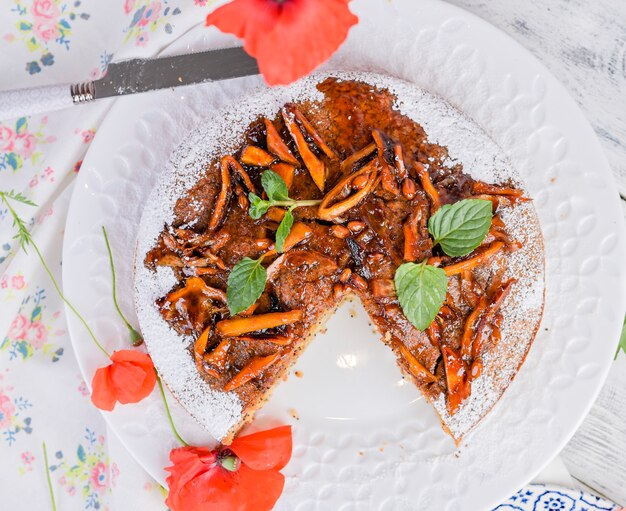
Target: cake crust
342, 253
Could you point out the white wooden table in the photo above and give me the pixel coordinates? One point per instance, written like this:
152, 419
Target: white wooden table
583, 43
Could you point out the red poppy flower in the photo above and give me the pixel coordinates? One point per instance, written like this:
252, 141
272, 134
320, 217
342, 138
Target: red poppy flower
128, 379
243, 476
289, 38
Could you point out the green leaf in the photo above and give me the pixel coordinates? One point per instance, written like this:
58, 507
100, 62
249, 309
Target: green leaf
274, 186
622, 340
421, 290
460, 227
246, 282
284, 229
16, 196
258, 206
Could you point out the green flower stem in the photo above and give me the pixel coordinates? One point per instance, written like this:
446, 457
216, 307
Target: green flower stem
135, 336
296, 203
45, 459
25, 239
65, 300
169, 414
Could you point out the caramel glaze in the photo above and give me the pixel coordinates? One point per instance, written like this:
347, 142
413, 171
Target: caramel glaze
309, 278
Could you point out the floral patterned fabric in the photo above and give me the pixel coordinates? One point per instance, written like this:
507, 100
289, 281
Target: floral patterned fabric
42, 394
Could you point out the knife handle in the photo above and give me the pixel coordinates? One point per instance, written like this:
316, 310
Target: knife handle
37, 100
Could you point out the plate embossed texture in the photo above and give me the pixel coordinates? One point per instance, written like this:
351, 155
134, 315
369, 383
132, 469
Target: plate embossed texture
412, 464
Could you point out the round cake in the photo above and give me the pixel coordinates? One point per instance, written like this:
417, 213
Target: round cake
325, 189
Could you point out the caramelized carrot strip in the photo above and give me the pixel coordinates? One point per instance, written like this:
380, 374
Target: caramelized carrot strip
286, 171
170, 260
196, 284
359, 155
470, 326
253, 369
223, 197
329, 211
250, 310
496, 221
280, 340
495, 200
496, 333
398, 161
308, 127
217, 357
314, 165
275, 214
446, 312
484, 188
411, 236
468, 264
192, 284
476, 369
494, 307
239, 326
416, 368
457, 377
434, 333
213, 259
199, 346
428, 186
240, 171
242, 198
276, 145
468, 292
255, 156
388, 180
207, 271
299, 233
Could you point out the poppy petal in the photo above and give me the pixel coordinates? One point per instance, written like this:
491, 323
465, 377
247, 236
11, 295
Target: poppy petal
133, 375
269, 449
307, 33
131, 382
262, 488
288, 39
215, 489
247, 19
189, 463
134, 356
102, 393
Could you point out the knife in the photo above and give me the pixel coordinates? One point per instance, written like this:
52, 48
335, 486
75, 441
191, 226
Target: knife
131, 77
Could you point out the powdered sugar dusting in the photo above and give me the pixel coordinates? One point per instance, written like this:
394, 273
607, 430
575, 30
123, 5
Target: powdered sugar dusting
219, 412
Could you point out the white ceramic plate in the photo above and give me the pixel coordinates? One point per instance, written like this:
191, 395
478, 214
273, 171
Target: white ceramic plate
356, 449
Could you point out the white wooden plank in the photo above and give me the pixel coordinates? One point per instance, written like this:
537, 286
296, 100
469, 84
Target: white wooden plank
597, 453
584, 44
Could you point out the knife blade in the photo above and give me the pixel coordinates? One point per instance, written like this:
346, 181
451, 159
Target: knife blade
141, 75
131, 77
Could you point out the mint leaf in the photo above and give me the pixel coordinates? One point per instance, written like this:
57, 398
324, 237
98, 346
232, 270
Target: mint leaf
421, 290
622, 340
258, 206
274, 186
283, 230
460, 227
246, 283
